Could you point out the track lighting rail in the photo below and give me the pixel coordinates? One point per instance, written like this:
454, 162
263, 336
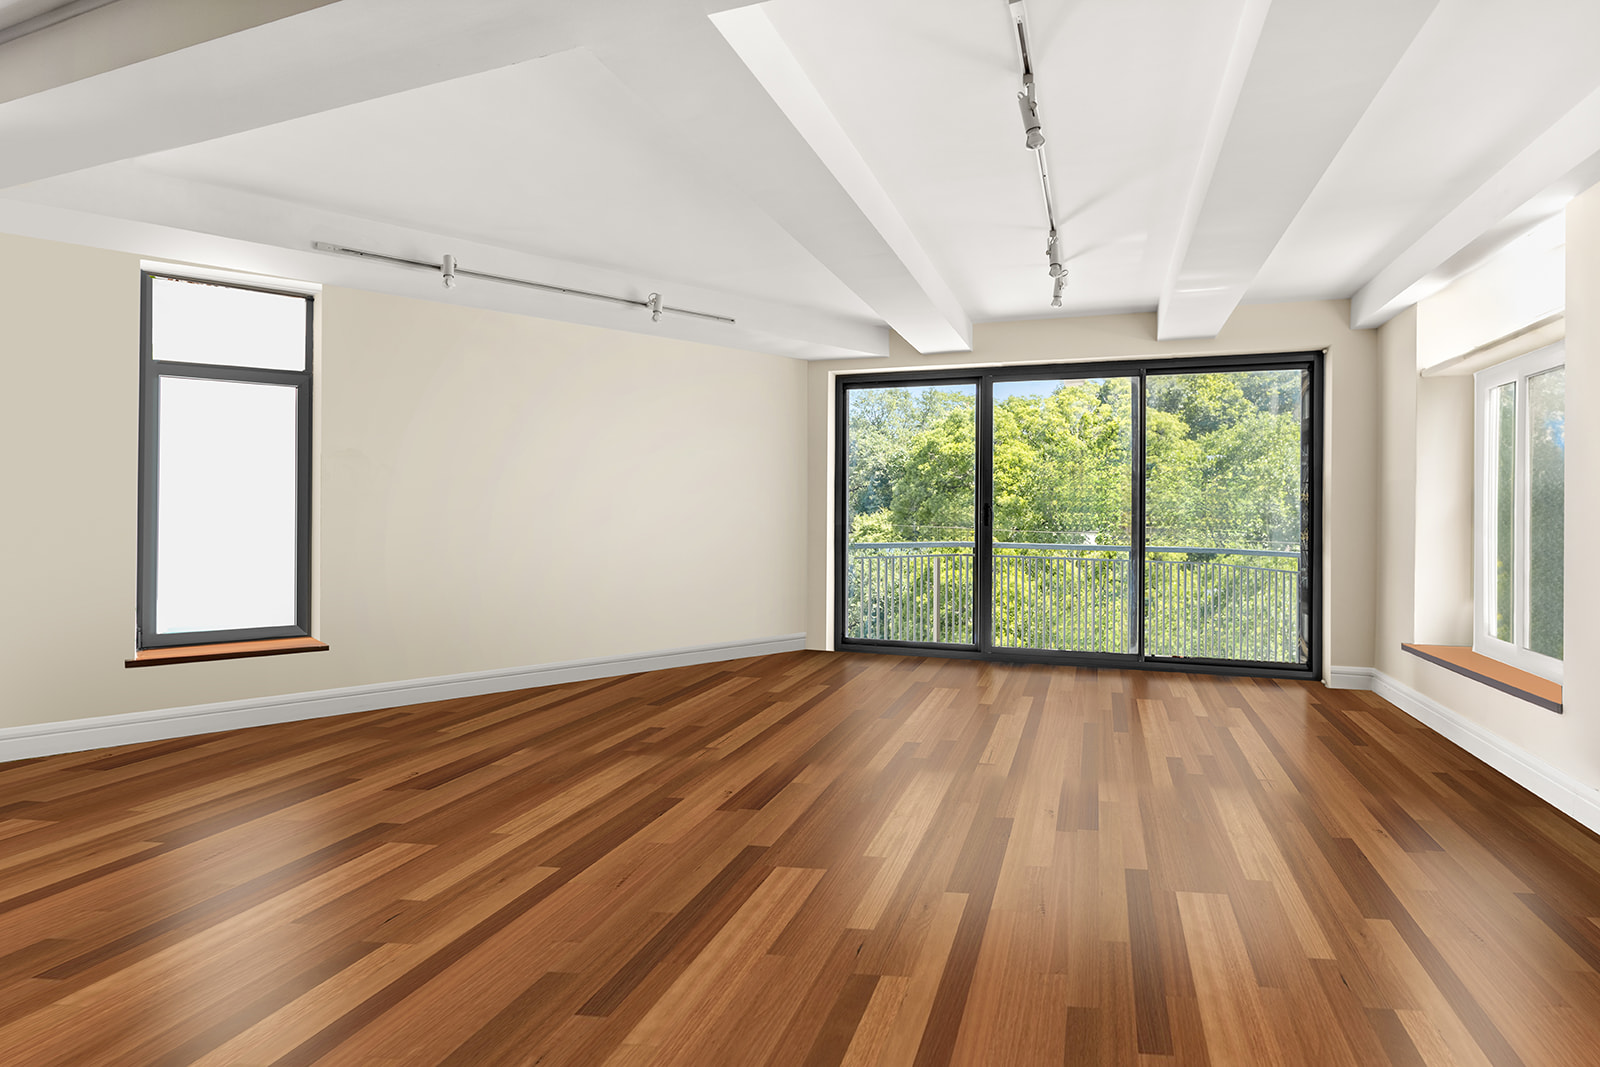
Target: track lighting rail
1033, 131
450, 270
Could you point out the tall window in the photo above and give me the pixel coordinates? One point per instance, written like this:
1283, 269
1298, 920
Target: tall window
1520, 505
225, 463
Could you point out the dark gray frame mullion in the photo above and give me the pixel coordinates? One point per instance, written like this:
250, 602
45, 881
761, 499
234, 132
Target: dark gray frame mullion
983, 519
1136, 568
151, 371
144, 604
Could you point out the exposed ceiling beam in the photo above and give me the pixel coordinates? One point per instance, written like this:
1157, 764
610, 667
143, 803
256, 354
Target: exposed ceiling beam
1252, 15
1561, 162
154, 215
784, 150
1333, 59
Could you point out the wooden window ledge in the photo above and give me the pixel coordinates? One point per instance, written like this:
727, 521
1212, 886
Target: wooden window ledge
281, 646
1493, 673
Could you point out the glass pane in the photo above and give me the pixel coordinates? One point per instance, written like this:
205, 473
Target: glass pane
1063, 514
1547, 473
225, 545
910, 509
1227, 536
1503, 449
198, 322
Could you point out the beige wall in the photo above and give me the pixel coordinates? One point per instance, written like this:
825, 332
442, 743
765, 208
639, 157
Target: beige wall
1427, 486
1351, 477
495, 491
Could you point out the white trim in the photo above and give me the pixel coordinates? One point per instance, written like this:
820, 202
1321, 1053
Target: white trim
231, 277
1541, 333
1351, 677
1555, 786
77, 735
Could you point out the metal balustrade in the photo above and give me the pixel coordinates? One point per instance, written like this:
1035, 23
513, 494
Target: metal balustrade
1079, 598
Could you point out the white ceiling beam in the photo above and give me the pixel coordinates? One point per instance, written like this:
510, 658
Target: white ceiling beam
763, 130
1252, 15
144, 213
934, 319
173, 90
1535, 184
1313, 73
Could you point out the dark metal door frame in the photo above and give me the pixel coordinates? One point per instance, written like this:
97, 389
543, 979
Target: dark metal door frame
982, 646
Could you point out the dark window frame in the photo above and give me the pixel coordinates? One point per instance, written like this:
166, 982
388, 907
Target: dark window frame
1141, 369
150, 371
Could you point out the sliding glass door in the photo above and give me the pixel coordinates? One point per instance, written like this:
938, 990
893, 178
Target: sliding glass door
1156, 512
1227, 522
909, 509
1061, 539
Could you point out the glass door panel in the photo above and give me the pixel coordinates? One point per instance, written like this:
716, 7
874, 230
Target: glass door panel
1227, 516
1063, 507
910, 507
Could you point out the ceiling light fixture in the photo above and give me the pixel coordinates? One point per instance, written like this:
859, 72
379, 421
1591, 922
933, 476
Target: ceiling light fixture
1033, 137
1032, 131
449, 270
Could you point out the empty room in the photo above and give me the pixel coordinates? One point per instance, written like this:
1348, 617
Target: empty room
869, 532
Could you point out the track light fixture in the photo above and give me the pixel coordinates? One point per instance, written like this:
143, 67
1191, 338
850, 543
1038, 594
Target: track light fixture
1033, 130
447, 270
654, 302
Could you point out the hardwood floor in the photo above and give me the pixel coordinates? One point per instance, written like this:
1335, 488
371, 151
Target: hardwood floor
803, 859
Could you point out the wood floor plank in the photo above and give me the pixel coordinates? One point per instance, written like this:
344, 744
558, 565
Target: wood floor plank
802, 860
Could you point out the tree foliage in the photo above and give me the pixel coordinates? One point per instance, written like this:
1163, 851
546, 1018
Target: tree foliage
1223, 456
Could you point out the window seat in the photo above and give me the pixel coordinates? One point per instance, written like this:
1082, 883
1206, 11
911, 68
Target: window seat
231, 650
1491, 672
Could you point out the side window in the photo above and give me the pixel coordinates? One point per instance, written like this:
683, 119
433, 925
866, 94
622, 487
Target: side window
1520, 511
225, 463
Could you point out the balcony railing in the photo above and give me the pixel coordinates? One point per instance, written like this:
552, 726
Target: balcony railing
1233, 604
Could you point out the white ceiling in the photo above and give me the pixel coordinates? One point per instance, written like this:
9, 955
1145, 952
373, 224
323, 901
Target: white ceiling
822, 170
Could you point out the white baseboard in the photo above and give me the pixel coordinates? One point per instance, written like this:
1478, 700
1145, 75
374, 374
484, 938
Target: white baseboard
1351, 677
77, 735
1556, 786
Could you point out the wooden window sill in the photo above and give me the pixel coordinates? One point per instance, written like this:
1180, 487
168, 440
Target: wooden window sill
1491, 672
281, 646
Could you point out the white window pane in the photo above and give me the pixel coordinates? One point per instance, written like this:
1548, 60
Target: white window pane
225, 506
1547, 474
193, 322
